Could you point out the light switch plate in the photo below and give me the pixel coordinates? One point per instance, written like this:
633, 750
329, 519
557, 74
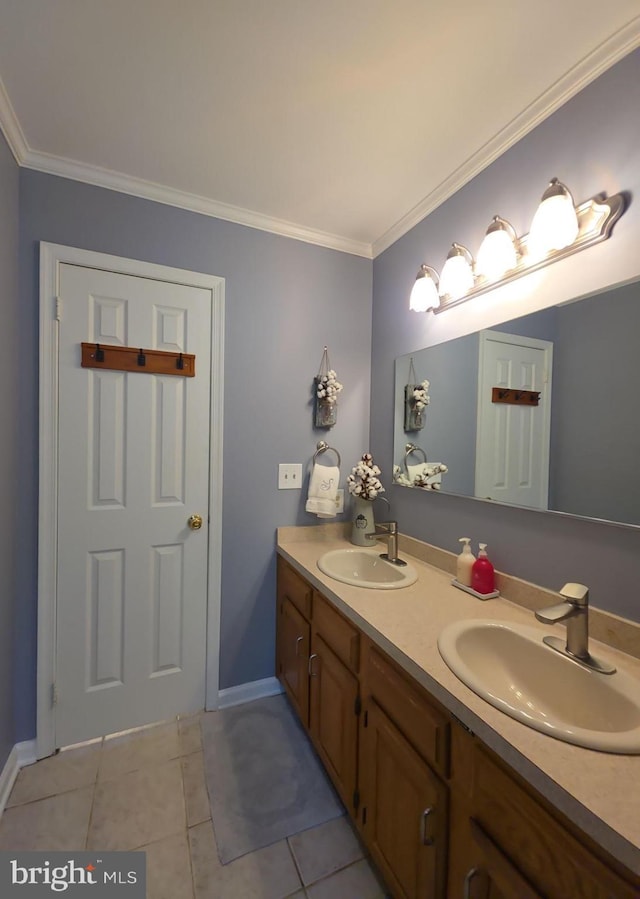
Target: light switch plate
290, 476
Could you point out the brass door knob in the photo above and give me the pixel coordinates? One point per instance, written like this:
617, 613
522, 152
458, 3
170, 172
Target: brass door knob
195, 522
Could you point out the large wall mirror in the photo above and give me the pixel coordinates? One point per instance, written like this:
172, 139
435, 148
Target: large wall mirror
575, 448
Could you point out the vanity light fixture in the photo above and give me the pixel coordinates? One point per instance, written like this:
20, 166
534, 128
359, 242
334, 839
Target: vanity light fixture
559, 229
555, 224
457, 274
497, 253
424, 293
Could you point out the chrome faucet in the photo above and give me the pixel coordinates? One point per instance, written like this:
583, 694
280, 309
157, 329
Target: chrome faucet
388, 530
574, 611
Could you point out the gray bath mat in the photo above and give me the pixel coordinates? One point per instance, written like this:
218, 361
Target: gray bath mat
264, 780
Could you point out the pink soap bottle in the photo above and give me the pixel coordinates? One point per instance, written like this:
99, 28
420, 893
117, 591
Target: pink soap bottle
482, 575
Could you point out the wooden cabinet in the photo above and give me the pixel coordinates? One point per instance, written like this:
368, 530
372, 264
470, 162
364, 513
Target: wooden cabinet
317, 663
293, 657
441, 815
506, 842
403, 810
334, 696
293, 638
404, 802
333, 718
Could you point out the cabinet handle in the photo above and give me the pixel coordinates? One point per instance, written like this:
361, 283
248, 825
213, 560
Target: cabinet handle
298, 641
472, 873
426, 840
312, 673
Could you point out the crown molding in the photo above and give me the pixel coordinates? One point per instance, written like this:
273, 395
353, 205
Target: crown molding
10, 127
583, 73
587, 70
159, 193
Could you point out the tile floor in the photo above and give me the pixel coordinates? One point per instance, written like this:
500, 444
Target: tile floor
146, 790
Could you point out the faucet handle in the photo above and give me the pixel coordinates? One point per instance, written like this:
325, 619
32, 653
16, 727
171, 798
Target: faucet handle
577, 594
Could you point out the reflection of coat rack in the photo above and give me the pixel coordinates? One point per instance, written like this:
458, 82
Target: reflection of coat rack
128, 358
514, 396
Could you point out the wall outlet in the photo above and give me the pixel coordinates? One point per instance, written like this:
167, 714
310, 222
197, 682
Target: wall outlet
340, 500
290, 476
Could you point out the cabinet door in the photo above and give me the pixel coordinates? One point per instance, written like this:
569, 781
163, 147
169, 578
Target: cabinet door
508, 819
293, 657
404, 810
333, 718
491, 875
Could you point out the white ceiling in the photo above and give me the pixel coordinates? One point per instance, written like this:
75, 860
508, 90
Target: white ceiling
342, 122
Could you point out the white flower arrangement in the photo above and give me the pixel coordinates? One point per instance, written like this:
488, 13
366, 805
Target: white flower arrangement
363, 480
328, 387
421, 397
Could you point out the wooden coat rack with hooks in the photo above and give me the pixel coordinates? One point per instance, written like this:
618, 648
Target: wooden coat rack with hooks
136, 359
514, 396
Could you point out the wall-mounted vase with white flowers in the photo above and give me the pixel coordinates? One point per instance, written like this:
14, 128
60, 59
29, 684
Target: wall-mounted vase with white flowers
416, 400
364, 486
326, 390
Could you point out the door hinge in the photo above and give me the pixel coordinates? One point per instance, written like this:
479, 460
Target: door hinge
58, 309
357, 705
54, 694
356, 799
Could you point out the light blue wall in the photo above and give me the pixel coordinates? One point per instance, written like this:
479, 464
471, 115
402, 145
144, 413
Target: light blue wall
9, 219
284, 301
592, 144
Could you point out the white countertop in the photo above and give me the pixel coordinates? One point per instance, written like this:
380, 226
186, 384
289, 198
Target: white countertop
599, 791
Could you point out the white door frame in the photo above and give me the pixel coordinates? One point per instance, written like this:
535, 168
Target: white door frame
51, 257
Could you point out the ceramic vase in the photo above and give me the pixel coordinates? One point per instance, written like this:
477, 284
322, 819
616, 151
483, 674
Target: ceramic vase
363, 524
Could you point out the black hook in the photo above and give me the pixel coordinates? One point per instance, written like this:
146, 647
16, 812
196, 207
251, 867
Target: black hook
141, 358
180, 362
99, 354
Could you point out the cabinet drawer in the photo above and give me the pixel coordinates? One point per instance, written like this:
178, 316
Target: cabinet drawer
294, 588
424, 725
337, 632
548, 855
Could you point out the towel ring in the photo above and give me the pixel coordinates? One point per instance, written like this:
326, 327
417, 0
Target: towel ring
409, 449
322, 447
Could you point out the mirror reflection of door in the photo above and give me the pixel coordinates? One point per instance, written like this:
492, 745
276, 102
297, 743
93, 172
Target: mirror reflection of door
512, 442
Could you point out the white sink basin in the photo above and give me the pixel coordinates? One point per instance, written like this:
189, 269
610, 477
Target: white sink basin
509, 666
365, 568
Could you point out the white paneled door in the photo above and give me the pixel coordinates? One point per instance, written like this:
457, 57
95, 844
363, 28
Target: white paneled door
512, 444
131, 614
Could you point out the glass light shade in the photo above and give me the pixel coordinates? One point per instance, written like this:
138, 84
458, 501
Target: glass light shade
457, 273
497, 253
424, 293
555, 224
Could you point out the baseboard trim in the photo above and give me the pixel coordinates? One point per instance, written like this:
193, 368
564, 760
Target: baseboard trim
257, 689
22, 754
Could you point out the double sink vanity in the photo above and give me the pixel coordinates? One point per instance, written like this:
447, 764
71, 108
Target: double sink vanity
474, 760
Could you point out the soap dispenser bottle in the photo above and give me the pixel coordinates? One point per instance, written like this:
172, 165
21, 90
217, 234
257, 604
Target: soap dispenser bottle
464, 563
482, 573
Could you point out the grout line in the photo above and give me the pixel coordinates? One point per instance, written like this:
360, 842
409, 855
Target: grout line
93, 797
295, 862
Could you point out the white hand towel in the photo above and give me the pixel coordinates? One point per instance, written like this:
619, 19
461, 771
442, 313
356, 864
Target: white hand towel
323, 489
